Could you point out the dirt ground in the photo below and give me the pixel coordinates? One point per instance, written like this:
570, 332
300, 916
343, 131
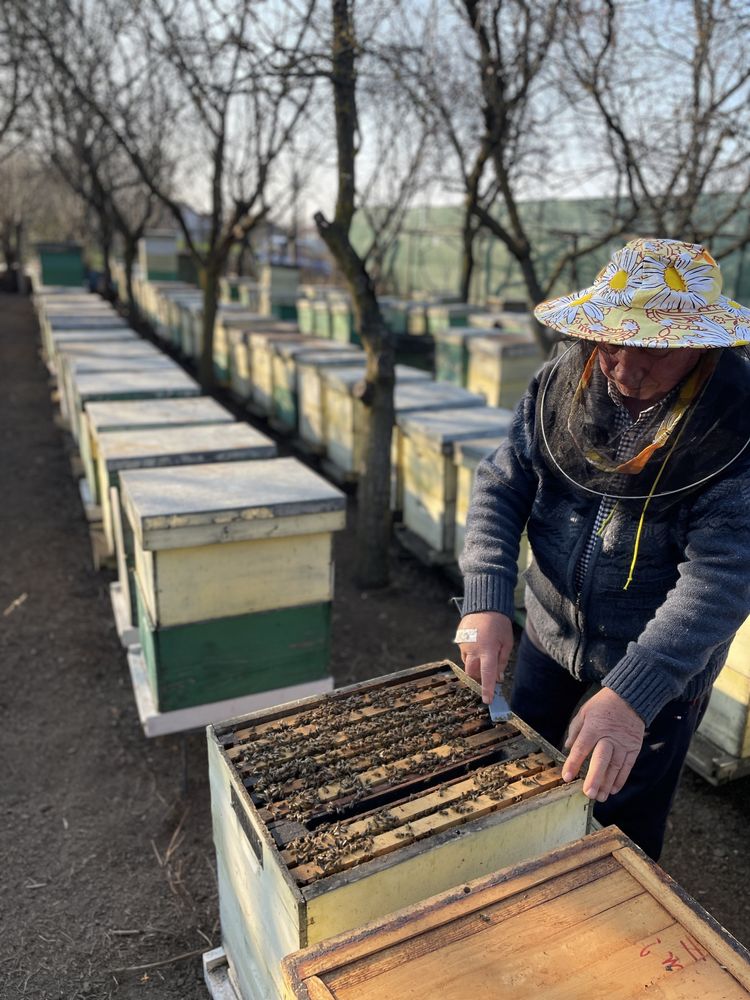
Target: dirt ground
107, 876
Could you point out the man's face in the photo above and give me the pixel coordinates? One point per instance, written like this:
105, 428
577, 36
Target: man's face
646, 373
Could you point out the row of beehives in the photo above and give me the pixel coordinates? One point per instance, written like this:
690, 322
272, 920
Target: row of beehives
322, 820
223, 550
307, 386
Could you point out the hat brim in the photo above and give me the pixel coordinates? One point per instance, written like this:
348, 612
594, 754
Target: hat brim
586, 315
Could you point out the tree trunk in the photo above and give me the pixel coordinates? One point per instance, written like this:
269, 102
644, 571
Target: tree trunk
467, 259
131, 249
374, 489
210, 284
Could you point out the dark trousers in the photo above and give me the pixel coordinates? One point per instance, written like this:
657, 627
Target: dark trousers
545, 696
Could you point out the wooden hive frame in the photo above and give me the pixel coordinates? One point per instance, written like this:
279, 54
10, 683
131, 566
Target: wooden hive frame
596, 918
339, 829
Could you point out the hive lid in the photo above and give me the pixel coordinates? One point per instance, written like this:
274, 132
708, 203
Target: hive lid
442, 428
506, 344
232, 497
475, 449
86, 321
170, 381
458, 334
260, 339
127, 413
183, 445
323, 359
114, 362
89, 336
313, 345
76, 349
347, 377
424, 394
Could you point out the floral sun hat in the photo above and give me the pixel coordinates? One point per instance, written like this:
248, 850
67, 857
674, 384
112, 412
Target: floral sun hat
653, 293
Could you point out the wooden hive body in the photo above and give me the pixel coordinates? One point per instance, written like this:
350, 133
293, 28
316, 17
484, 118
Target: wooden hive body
75, 367
429, 470
232, 576
284, 360
156, 447
592, 920
443, 315
452, 353
81, 355
310, 396
468, 455
261, 365
345, 419
727, 719
394, 789
501, 367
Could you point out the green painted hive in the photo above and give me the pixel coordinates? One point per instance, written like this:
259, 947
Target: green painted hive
233, 576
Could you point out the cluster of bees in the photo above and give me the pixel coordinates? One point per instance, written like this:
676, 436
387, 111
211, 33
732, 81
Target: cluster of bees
315, 770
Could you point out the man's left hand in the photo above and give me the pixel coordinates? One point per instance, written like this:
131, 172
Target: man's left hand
607, 725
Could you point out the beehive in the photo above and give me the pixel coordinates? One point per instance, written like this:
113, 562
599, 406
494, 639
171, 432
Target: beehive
250, 294
452, 353
727, 720
73, 367
305, 316
278, 290
191, 318
156, 447
343, 322
321, 313
310, 396
441, 316
61, 263
261, 347
231, 321
345, 418
75, 351
501, 367
429, 471
593, 919
144, 414
100, 386
157, 256
416, 397
333, 811
468, 455
233, 576
81, 330
285, 355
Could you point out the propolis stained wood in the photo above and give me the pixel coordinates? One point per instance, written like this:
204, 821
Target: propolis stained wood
233, 576
336, 810
593, 919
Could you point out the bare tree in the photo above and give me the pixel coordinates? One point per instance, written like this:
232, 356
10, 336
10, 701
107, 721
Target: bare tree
228, 103
16, 82
680, 153
396, 152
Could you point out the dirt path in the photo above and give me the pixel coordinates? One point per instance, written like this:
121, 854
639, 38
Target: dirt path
107, 867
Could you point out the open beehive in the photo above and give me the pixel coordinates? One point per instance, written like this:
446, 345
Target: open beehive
336, 810
595, 919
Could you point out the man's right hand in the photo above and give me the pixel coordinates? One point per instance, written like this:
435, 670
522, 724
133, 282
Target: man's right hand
486, 659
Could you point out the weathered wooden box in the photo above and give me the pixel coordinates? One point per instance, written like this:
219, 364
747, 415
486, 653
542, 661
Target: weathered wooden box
100, 386
417, 397
429, 469
285, 356
87, 335
74, 367
233, 576
142, 414
333, 811
452, 353
311, 414
158, 447
591, 920
261, 347
501, 367
727, 720
70, 353
441, 316
345, 417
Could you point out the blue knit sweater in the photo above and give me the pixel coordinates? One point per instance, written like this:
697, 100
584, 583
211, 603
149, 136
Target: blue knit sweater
666, 637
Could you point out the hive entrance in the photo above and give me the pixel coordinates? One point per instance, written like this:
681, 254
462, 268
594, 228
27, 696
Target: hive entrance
356, 777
